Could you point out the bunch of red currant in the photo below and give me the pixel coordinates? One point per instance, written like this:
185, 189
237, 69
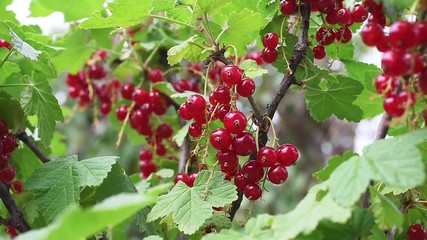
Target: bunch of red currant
269, 53
416, 232
7, 146
404, 71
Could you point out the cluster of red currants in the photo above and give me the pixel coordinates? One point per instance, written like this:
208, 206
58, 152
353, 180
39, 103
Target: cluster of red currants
416, 232
185, 178
84, 87
269, 53
404, 71
7, 146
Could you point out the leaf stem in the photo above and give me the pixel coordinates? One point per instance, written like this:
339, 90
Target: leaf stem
7, 57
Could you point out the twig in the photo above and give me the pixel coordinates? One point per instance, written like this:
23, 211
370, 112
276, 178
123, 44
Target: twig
22, 135
185, 149
16, 217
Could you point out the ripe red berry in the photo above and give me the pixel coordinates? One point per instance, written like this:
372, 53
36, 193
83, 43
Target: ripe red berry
343, 16
331, 18
121, 112
147, 168
195, 129
228, 159
140, 96
244, 144
383, 45
253, 171
7, 175
240, 181
74, 92
422, 81
155, 75
184, 112
9, 143
385, 84
406, 99
325, 36
252, 191
288, 7
127, 90
269, 55
416, 232
97, 72
394, 63
184, 178
344, 35
277, 174
222, 111
256, 56
196, 104
371, 34
402, 35
17, 186
164, 130
246, 87
161, 149
359, 14
221, 139
325, 6
193, 177
270, 40
231, 75
105, 108
4, 160
194, 68
392, 107
319, 52
222, 94
5, 44
267, 156
3, 127
145, 155
420, 29
235, 122
287, 154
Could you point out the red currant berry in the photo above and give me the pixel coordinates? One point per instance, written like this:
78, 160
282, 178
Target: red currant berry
344, 35
325, 6
4, 160
383, 44
253, 171
7, 175
196, 104
394, 63
184, 178
127, 91
319, 52
147, 168
371, 34
416, 232
416, 62
221, 139
402, 35
97, 72
252, 191
331, 18
256, 56
343, 16
420, 29
5, 44
246, 87
121, 112
164, 130
228, 159
392, 107
3, 127
193, 177
74, 92
184, 112
406, 99
287, 155
244, 144
222, 111
105, 108
195, 129
270, 40
145, 155
194, 68
140, 96
155, 75
277, 174
359, 14
269, 55
9, 143
222, 94
422, 81
288, 7
385, 84
17, 186
161, 150
267, 156
325, 36
235, 122
240, 181
231, 75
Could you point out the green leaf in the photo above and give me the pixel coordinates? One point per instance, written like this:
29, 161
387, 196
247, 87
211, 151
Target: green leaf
356, 70
38, 100
218, 220
211, 6
241, 29
397, 161
11, 111
334, 98
386, 214
79, 223
333, 163
340, 51
251, 69
308, 213
73, 10
56, 183
191, 207
186, 50
167, 89
179, 137
349, 181
124, 13
8, 69
4, 13
24, 48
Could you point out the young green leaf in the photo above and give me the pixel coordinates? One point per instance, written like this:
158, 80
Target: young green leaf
188, 49
386, 213
251, 69
179, 137
333, 164
73, 10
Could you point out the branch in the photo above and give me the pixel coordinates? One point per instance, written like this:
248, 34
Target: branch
16, 217
22, 135
185, 149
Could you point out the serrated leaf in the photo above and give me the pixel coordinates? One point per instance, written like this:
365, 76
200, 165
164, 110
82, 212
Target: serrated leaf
89, 221
180, 98
241, 29
24, 48
308, 213
397, 161
11, 111
386, 214
349, 181
167, 89
124, 13
165, 173
186, 50
336, 99
72, 10
190, 207
8, 69
56, 183
251, 69
38, 100
333, 163
211, 6
218, 220
179, 137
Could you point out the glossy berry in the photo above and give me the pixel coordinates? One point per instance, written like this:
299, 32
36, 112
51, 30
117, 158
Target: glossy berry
184, 178
384, 84
184, 112
256, 56
155, 75
161, 149
343, 16
240, 181
267, 156
392, 107
288, 7
5, 44
105, 108
9, 143
228, 160
325, 6
235, 122
331, 18
231, 75
344, 35
416, 232
406, 99
246, 87
147, 168
319, 52
194, 68
222, 111
394, 63
253, 171
420, 29
145, 155
244, 144
97, 72
359, 14
164, 130
277, 174
196, 104
287, 155
140, 96
402, 35
269, 55
252, 191
325, 36
195, 129
17, 186
221, 139
371, 33
193, 177
121, 112
7, 175
4, 160
127, 91
270, 40
222, 94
